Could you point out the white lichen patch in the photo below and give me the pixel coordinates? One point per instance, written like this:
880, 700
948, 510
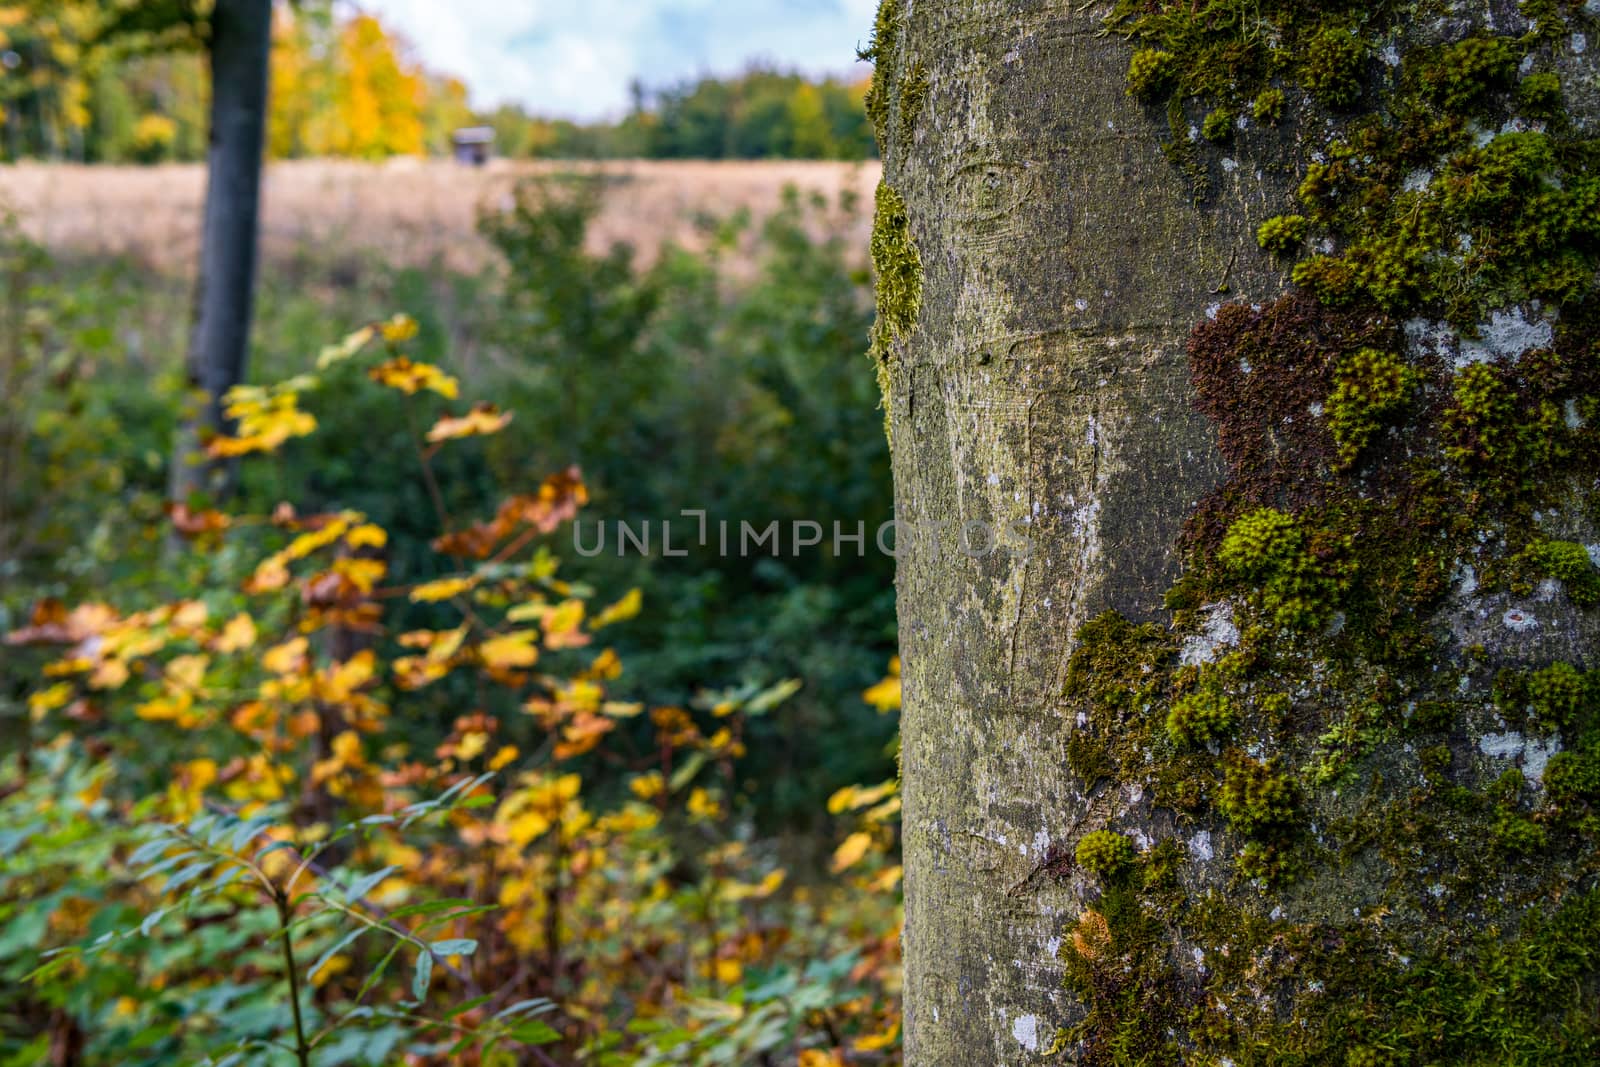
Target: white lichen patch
1025, 1028
1508, 334
1506, 746
1519, 620
1534, 753
1428, 337
1219, 631
1200, 846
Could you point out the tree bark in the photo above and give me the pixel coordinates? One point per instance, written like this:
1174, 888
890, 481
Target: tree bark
239, 51
1045, 384
1042, 383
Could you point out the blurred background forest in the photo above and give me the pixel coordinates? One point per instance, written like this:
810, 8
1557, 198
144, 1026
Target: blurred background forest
537, 807
344, 86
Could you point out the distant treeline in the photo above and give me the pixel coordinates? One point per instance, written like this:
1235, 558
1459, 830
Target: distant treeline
345, 86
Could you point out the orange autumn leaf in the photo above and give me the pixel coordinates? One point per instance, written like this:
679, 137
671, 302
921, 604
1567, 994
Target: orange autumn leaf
558, 500
191, 524
582, 734
482, 419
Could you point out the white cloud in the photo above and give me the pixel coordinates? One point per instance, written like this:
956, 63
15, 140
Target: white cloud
576, 58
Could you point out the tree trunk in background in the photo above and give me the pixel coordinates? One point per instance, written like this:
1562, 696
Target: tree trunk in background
240, 46
1042, 382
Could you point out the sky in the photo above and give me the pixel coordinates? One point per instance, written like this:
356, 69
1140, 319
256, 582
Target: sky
575, 58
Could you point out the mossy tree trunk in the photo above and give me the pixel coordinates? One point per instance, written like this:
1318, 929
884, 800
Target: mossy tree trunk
1071, 297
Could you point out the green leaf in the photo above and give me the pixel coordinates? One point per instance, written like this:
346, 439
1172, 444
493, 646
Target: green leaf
428, 907
362, 886
422, 975
455, 946
684, 774
377, 972
534, 1032
333, 950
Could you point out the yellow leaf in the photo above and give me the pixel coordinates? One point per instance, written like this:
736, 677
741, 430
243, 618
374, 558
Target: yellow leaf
442, 589
400, 328
238, 633
526, 828
173, 707
647, 786
187, 672
482, 419
286, 658
109, 674
361, 573
264, 423
885, 696
621, 611
562, 620
816, 1057
878, 1042
506, 755
45, 701
509, 651
367, 535
854, 796
409, 376
729, 971
472, 745
737, 891
346, 348
850, 852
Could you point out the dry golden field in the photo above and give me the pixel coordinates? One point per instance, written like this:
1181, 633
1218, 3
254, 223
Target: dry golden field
405, 211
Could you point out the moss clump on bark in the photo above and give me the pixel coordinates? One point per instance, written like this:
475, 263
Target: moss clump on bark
914, 87
1370, 388
880, 52
1283, 234
1105, 852
899, 281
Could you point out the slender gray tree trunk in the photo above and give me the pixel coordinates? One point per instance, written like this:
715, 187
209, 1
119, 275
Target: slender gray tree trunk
1033, 347
240, 48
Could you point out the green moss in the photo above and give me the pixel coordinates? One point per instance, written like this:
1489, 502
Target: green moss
1256, 797
1332, 68
1456, 77
1296, 583
1217, 126
1106, 852
1332, 279
1152, 74
1268, 106
1283, 234
1539, 95
1205, 715
899, 281
1370, 388
914, 88
880, 52
1573, 778
1568, 562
